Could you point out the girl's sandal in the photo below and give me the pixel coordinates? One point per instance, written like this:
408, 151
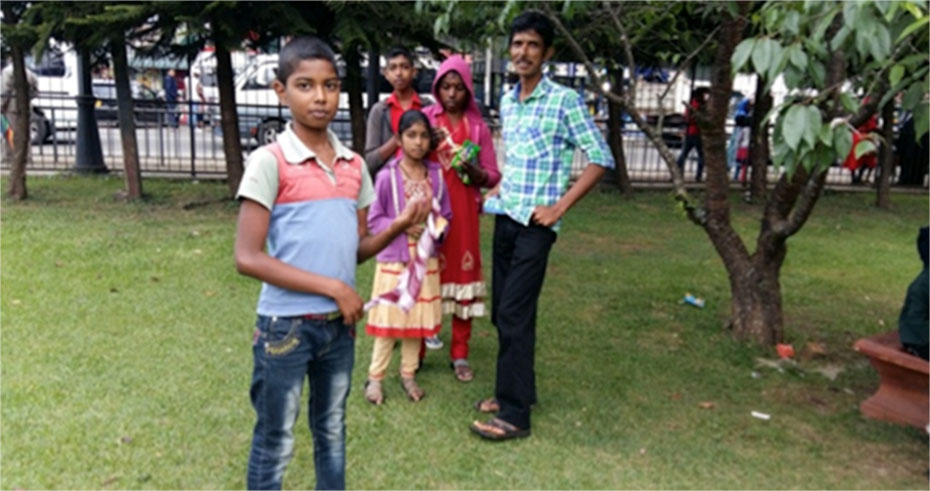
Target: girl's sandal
463, 372
413, 391
373, 392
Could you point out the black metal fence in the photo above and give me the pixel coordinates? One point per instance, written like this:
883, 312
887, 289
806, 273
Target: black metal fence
185, 140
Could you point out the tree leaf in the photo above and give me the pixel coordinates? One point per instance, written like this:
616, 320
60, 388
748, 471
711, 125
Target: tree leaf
798, 57
896, 74
794, 126
842, 141
762, 55
881, 44
792, 22
826, 135
778, 62
913, 9
864, 147
922, 22
913, 96
741, 54
837, 42
850, 11
818, 73
793, 77
821, 29
849, 103
814, 120
921, 120
911, 60
864, 43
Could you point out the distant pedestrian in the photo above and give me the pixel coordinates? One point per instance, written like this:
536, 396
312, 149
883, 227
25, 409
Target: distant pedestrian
170, 86
692, 137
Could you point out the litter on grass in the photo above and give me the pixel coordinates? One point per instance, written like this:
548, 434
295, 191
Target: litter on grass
692, 300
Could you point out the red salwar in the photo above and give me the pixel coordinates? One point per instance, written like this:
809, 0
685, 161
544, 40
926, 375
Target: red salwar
462, 282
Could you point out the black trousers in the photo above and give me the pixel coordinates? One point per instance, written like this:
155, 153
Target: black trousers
520, 257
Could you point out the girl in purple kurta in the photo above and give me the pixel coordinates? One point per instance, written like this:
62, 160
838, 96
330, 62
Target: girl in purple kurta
408, 177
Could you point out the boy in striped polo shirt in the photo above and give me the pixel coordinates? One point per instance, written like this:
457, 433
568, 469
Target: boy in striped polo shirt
302, 230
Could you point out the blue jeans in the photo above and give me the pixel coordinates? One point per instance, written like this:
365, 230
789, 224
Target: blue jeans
286, 349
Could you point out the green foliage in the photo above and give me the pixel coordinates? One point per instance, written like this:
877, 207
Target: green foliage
876, 66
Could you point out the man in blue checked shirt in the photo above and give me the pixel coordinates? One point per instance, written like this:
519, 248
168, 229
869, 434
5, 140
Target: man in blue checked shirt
543, 123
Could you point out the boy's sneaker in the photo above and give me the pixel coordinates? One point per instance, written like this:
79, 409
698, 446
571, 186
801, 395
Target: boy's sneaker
433, 342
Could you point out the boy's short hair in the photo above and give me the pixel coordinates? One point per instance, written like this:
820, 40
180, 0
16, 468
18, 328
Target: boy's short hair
401, 51
300, 49
533, 21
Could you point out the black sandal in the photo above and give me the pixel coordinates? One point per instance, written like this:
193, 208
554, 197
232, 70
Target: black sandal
496, 429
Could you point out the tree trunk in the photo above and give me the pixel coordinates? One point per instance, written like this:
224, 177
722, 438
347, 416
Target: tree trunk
755, 306
127, 126
759, 144
229, 120
20, 123
354, 89
755, 295
886, 157
615, 135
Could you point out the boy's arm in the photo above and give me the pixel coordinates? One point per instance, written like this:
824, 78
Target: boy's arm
252, 260
376, 152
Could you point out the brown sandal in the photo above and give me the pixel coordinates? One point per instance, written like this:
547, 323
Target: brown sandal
489, 405
463, 371
413, 391
373, 392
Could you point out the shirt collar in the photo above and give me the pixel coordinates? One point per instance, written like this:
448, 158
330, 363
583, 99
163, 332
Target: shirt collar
295, 152
541, 89
415, 102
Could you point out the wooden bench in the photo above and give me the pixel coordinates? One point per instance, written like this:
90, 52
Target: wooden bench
902, 394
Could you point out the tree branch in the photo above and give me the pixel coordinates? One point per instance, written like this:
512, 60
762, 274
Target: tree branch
810, 193
627, 52
692, 209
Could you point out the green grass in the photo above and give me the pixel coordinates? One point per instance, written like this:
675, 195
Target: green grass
126, 356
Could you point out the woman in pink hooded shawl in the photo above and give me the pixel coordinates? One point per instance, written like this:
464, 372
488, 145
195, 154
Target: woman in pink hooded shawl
459, 128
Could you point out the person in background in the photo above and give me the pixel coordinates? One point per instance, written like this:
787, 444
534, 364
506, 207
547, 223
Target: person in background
458, 124
914, 321
381, 140
692, 137
170, 86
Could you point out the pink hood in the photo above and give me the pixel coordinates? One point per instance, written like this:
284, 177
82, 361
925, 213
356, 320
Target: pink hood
456, 63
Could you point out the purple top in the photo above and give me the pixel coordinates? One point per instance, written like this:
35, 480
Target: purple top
383, 212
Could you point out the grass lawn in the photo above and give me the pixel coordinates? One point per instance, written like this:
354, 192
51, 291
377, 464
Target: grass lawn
126, 361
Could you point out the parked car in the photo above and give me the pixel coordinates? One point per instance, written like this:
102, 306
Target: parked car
40, 128
148, 104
